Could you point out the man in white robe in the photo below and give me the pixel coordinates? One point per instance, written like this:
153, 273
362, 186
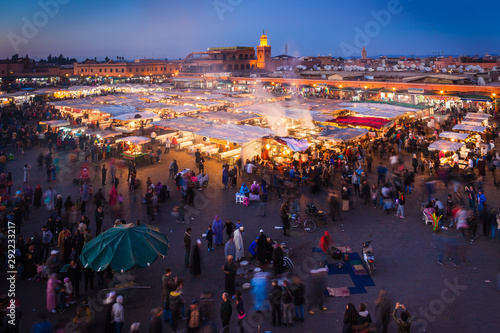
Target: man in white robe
238, 242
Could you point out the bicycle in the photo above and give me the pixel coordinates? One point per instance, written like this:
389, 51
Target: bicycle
296, 222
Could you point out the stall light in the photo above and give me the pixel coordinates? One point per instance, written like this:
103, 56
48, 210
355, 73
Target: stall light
340, 86
393, 88
293, 84
366, 87
268, 146
493, 94
441, 92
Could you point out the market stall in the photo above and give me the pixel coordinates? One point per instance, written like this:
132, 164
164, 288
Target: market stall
335, 136
134, 121
76, 130
449, 152
133, 149
284, 149
54, 125
233, 141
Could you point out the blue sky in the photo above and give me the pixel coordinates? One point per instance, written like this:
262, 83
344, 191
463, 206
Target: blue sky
174, 28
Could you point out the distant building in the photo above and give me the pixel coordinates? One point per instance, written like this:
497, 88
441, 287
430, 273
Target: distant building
363, 53
138, 68
27, 68
220, 59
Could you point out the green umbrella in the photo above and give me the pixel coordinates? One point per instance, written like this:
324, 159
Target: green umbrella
124, 247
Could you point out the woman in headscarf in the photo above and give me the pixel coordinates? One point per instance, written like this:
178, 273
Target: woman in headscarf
113, 196
225, 176
217, 227
52, 283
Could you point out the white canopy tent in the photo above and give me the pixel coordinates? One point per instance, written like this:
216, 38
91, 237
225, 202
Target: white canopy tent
115, 110
183, 108
454, 135
469, 128
136, 116
477, 115
56, 123
104, 134
235, 133
444, 145
222, 116
186, 124
339, 135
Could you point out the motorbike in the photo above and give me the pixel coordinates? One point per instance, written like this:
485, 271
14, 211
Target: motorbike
313, 212
368, 257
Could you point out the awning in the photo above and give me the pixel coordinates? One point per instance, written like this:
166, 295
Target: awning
339, 135
136, 140
222, 116
104, 134
445, 145
372, 122
476, 98
56, 123
293, 144
473, 121
136, 116
115, 110
186, 124
454, 135
469, 128
235, 133
477, 115
183, 108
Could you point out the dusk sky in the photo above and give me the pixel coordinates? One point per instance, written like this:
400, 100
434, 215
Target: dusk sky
174, 28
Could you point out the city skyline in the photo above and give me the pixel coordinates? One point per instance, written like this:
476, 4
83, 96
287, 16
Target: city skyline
172, 29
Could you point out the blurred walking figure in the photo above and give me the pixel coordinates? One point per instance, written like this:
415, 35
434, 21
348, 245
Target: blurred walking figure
383, 306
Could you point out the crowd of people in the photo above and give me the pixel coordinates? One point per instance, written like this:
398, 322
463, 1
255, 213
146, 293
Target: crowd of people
345, 173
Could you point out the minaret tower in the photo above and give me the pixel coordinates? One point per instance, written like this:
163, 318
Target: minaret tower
263, 52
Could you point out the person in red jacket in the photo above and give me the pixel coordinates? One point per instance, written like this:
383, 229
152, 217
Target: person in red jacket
325, 243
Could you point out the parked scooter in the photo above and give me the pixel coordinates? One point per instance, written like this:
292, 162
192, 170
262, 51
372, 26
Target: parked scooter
368, 257
313, 212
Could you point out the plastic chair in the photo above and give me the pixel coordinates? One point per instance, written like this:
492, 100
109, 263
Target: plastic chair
239, 197
246, 201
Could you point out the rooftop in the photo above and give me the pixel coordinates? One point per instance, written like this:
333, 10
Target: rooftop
230, 48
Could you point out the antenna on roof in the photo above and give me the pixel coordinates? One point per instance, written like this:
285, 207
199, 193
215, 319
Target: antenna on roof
286, 49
